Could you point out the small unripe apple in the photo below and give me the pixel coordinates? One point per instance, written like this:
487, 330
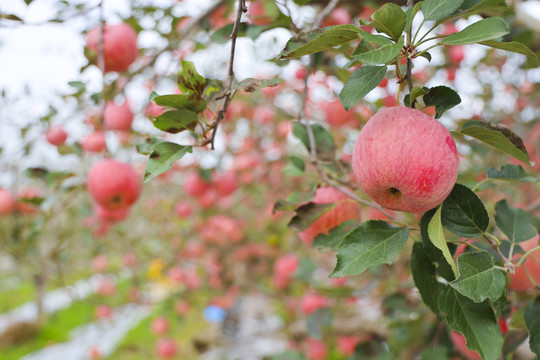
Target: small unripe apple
117, 117
119, 45
56, 135
345, 209
166, 348
159, 325
7, 202
405, 160
94, 142
113, 184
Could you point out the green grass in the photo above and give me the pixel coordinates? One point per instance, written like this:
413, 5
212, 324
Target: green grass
59, 325
140, 341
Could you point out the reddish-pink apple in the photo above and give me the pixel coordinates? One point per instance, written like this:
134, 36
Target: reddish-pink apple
7, 202
160, 325
166, 348
117, 117
119, 45
56, 135
520, 281
94, 142
113, 184
405, 160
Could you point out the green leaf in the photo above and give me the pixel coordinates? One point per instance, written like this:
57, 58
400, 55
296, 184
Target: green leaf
510, 172
389, 19
307, 214
289, 355
305, 270
179, 101
416, 92
360, 83
512, 46
425, 277
463, 213
478, 278
443, 98
376, 49
435, 255
318, 321
411, 13
438, 353
334, 236
434, 10
162, 158
476, 6
497, 136
317, 40
436, 235
295, 167
324, 142
251, 84
532, 321
476, 321
189, 81
515, 223
373, 243
483, 30
175, 121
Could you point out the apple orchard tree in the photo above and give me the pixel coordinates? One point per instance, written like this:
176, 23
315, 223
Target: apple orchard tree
386, 211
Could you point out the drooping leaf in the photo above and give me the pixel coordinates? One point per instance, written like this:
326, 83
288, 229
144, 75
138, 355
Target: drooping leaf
478, 278
175, 121
512, 46
390, 19
463, 213
431, 252
324, 142
515, 223
360, 83
486, 29
307, 214
476, 321
510, 172
190, 82
179, 101
443, 98
318, 321
376, 49
162, 158
434, 10
497, 136
425, 277
373, 243
251, 84
334, 236
436, 235
532, 321
317, 40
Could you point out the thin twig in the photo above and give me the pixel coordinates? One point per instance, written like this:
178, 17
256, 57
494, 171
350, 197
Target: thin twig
409, 49
507, 263
230, 76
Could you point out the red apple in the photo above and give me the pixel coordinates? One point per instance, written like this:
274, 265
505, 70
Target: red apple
160, 325
286, 264
7, 202
181, 307
225, 183
459, 342
183, 209
25, 207
94, 142
113, 185
345, 209
117, 117
99, 263
316, 349
310, 302
339, 16
129, 260
405, 160
106, 287
176, 274
257, 14
56, 135
103, 311
456, 54
166, 348
119, 45
194, 184
336, 115
347, 344
153, 110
